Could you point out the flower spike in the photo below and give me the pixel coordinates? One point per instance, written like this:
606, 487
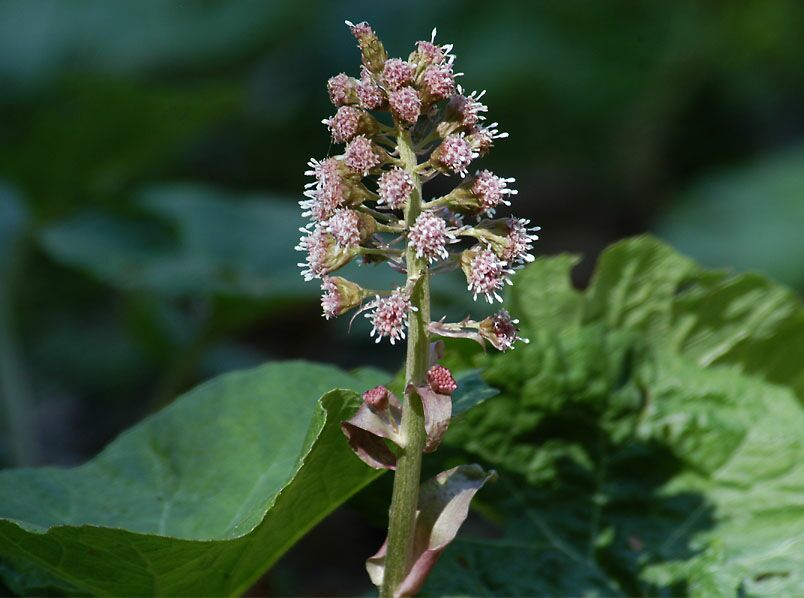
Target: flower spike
367, 201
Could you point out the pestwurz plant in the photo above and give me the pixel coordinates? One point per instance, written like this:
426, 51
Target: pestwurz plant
368, 203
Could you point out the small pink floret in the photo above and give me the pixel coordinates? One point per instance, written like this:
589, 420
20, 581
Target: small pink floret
456, 154
360, 155
361, 30
487, 275
326, 193
520, 241
429, 237
395, 187
397, 73
345, 227
338, 88
491, 190
439, 81
369, 94
406, 104
330, 299
505, 331
390, 316
315, 243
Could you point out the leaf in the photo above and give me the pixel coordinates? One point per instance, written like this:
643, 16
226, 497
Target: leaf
39, 42
471, 391
89, 140
13, 219
642, 448
199, 499
761, 201
222, 244
16, 405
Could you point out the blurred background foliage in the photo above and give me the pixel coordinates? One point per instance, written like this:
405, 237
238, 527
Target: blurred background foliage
152, 154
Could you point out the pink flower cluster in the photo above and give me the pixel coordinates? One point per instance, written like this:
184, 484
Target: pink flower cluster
390, 316
440, 380
367, 202
429, 237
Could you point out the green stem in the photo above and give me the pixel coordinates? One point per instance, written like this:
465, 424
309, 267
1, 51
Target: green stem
384, 228
377, 251
402, 515
437, 203
377, 215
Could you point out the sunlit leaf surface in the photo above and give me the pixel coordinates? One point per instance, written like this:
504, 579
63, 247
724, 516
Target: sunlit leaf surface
198, 499
641, 446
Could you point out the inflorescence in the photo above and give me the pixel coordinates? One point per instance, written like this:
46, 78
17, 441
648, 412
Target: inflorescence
357, 200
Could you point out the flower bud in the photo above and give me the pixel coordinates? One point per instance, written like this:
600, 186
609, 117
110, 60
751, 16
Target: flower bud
350, 228
510, 238
481, 139
440, 380
438, 82
453, 155
342, 90
486, 274
500, 330
324, 255
376, 398
394, 187
406, 105
340, 295
493, 233
335, 186
349, 122
362, 155
426, 53
369, 95
371, 48
397, 73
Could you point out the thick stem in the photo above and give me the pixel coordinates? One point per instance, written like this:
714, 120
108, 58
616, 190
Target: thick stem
402, 515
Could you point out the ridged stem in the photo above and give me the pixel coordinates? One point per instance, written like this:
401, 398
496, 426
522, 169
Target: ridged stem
402, 515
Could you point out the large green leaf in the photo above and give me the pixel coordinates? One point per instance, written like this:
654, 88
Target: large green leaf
201, 241
194, 239
89, 140
38, 42
642, 447
762, 201
200, 498
16, 408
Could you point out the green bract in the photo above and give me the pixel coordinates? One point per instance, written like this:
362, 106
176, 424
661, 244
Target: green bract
649, 439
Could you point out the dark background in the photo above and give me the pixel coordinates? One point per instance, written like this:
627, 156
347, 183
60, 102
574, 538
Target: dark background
151, 153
